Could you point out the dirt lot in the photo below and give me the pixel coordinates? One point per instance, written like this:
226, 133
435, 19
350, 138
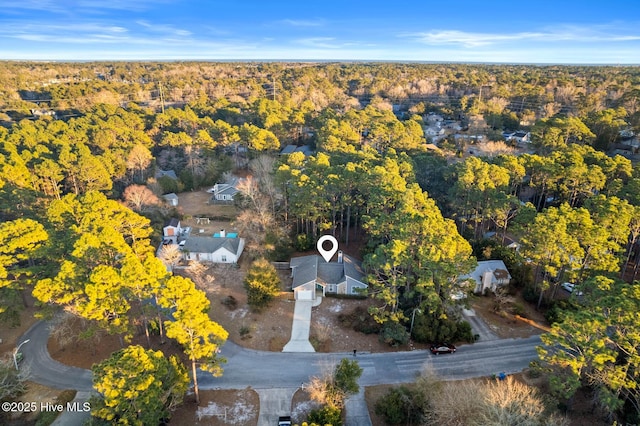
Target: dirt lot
507, 325
219, 408
204, 217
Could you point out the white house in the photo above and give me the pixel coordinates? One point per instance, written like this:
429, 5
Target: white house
521, 136
489, 274
171, 231
171, 199
432, 131
312, 274
216, 249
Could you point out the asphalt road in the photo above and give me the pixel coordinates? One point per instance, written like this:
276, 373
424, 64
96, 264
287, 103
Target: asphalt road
46, 371
272, 373
246, 367
271, 369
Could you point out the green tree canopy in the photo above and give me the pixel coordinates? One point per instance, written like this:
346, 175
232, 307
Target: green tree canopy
137, 387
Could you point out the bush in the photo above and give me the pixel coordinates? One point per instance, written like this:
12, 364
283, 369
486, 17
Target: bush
401, 406
326, 416
530, 294
433, 328
262, 283
394, 334
245, 332
464, 332
518, 309
303, 242
230, 302
360, 320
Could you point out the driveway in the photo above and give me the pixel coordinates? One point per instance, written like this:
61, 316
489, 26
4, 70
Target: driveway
299, 341
356, 411
478, 326
274, 402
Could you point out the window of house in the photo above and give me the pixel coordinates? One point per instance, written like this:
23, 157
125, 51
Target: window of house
224, 258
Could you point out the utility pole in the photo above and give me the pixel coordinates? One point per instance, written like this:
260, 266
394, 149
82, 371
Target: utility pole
16, 352
161, 96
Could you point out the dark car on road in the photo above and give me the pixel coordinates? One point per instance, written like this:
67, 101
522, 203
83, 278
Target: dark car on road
442, 348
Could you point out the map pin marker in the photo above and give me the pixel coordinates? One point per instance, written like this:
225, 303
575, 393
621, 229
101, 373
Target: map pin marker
327, 254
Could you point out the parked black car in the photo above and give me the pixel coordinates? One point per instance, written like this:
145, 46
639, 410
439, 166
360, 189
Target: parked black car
442, 348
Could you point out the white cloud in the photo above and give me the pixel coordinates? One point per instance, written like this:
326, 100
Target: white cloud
303, 22
326, 43
566, 33
165, 29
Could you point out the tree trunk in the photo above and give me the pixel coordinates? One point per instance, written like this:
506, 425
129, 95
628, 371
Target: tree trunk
195, 381
348, 224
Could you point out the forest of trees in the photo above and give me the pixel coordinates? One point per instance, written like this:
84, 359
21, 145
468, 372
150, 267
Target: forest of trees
80, 210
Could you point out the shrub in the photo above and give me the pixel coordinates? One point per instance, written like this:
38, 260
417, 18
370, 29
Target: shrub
230, 302
394, 334
303, 242
530, 294
402, 406
464, 332
518, 309
434, 328
326, 416
360, 320
245, 332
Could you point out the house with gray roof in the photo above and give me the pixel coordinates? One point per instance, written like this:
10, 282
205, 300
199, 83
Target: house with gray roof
171, 199
225, 192
171, 174
489, 274
312, 275
217, 249
290, 149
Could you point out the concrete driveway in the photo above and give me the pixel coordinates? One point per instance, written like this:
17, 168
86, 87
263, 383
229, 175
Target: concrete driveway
299, 341
274, 403
478, 326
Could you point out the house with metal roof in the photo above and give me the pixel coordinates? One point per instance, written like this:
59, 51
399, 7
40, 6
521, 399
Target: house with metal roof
219, 248
312, 275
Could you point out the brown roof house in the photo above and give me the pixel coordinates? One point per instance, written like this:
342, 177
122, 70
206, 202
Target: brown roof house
489, 274
311, 275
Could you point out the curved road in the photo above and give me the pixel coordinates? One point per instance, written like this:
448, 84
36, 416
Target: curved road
259, 369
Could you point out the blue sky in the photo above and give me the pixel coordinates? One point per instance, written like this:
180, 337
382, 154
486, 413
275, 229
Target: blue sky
522, 31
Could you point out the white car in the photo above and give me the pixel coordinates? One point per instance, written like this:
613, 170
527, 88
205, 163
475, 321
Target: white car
570, 287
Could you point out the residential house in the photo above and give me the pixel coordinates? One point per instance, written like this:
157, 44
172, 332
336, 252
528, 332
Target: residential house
225, 192
171, 174
489, 274
521, 136
433, 131
171, 199
37, 113
311, 274
172, 231
219, 248
290, 149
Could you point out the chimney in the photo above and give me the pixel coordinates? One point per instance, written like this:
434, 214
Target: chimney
340, 256
486, 280
223, 234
